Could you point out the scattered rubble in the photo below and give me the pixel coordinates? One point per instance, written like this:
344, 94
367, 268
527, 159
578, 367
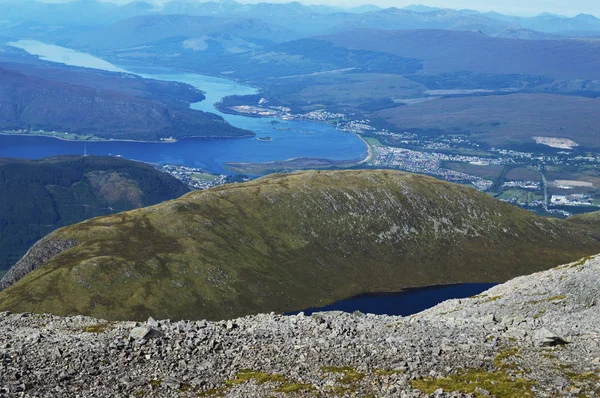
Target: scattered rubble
537, 335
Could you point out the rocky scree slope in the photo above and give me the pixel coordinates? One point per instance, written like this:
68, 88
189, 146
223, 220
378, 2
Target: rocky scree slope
534, 336
288, 242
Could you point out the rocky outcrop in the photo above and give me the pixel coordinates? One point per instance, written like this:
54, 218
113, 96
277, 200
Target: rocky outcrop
42, 251
537, 335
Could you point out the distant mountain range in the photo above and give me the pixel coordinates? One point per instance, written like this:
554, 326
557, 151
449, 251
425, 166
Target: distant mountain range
143, 30
455, 51
33, 18
582, 24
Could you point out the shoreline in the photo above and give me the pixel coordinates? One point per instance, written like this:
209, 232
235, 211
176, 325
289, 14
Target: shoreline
174, 141
370, 151
231, 112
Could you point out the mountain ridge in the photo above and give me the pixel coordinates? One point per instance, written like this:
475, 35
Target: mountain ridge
455, 51
292, 241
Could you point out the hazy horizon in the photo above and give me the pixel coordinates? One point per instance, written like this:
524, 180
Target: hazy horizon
510, 7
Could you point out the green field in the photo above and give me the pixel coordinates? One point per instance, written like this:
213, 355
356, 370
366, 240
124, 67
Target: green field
203, 177
523, 174
521, 195
588, 174
491, 172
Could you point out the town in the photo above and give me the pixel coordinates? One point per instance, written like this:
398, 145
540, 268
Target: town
431, 154
196, 179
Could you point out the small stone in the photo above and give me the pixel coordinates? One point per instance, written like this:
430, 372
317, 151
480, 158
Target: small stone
561, 382
172, 383
490, 318
143, 332
548, 338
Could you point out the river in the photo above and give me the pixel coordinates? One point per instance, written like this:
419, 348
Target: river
299, 139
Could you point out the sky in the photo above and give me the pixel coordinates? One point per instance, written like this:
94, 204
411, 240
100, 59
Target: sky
512, 7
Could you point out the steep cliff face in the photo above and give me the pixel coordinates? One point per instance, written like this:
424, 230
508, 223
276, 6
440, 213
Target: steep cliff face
288, 242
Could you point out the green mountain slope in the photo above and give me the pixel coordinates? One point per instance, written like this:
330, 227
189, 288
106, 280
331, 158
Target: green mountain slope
592, 219
291, 241
40, 196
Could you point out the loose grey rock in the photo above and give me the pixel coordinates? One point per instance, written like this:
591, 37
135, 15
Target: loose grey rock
143, 332
504, 330
549, 338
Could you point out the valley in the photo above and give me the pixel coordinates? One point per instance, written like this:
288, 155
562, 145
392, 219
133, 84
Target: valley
223, 199
459, 125
298, 140
98, 105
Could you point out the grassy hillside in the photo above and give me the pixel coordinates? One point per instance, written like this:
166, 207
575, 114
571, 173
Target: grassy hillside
43, 195
291, 241
592, 219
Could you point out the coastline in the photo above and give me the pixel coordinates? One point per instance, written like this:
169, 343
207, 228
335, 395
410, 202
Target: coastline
228, 111
370, 151
174, 141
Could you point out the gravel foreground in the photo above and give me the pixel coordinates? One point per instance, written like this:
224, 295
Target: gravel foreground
536, 336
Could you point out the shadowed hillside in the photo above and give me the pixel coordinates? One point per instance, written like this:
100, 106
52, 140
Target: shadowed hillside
287, 242
40, 196
35, 96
